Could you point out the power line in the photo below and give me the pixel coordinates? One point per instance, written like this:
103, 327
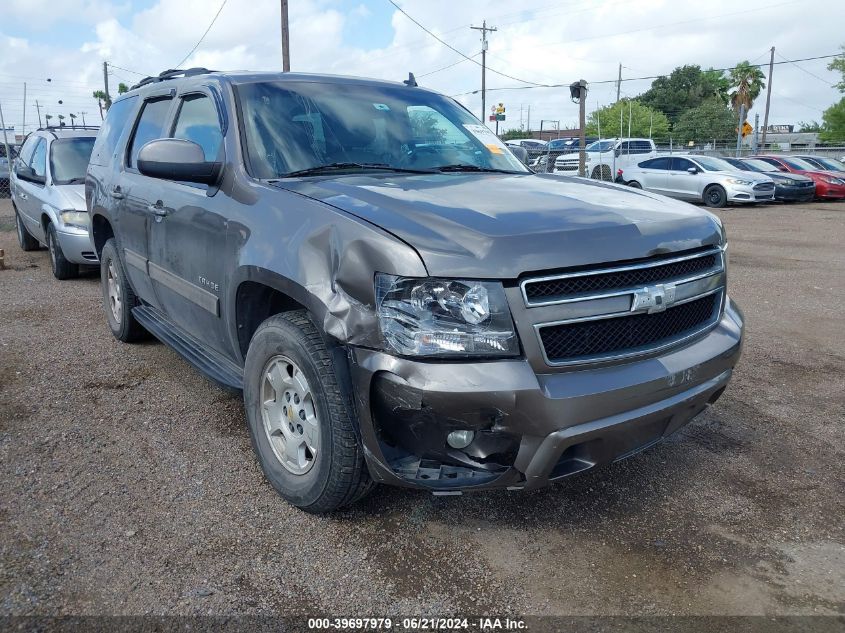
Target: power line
196, 46
829, 83
134, 72
624, 79
466, 57
460, 61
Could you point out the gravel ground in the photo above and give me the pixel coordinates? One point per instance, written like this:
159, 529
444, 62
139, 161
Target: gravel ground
128, 484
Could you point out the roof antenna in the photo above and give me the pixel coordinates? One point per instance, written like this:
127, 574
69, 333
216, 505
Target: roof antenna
410, 81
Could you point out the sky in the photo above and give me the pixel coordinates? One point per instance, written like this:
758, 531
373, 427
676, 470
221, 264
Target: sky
57, 47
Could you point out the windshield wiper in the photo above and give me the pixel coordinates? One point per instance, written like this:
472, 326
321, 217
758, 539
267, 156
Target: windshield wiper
468, 167
319, 169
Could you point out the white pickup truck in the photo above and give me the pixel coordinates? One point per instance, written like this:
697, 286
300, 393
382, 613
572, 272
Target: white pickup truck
605, 157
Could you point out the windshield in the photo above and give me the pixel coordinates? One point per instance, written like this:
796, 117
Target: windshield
759, 165
601, 146
709, 163
69, 159
293, 127
830, 163
797, 163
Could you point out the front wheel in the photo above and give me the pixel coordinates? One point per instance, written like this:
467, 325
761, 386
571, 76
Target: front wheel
62, 268
118, 297
25, 240
301, 422
715, 196
635, 184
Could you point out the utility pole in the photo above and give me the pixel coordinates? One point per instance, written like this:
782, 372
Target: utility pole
106, 83
23, 118
579, 90
6, 140
528, 124
82, 114
768, 98
38, 107
756, 132
483, 28
285, 38
619, 83
739, 129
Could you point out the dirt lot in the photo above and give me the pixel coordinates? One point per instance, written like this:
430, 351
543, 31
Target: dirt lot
128, 485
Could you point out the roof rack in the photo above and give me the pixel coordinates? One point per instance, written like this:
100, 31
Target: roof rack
172, 74
68, 127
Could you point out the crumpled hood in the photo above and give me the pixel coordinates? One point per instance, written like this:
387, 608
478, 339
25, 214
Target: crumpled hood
501, 225
72, 197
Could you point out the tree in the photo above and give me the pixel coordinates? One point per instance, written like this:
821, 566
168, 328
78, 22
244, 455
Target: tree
512, 134
121, 88
833, 129
425, 126
102, 100
645, 121
838, 64
72, 119
809, 126
685, 88
61, 120
711, 120
746, 83
47, 118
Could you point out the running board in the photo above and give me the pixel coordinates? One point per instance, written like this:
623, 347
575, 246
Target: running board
211, 364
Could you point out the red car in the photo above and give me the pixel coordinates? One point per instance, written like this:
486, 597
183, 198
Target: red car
829, 185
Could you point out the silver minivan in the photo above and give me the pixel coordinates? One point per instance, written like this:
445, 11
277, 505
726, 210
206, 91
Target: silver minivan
48, 195
707, 179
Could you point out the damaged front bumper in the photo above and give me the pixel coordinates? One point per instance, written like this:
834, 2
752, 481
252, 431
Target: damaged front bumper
529, 429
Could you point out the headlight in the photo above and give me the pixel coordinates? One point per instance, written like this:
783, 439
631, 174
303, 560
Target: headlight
789, 183
76, 219
833, 180
737, 181
442, 317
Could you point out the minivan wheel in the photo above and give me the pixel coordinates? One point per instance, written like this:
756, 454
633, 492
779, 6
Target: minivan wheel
118, 297
25, 240
62, 268
635, 184
302, 424
715, 196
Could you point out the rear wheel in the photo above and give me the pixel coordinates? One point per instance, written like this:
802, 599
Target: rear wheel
118, 297
602, 172
715, 196
301, 422
635, 184
25, 240
62, 268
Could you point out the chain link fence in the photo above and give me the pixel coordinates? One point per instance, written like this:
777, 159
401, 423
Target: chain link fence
5, 165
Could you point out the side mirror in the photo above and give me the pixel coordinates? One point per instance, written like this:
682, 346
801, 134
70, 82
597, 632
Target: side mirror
25, 172
782, 168
177, 159
692, 170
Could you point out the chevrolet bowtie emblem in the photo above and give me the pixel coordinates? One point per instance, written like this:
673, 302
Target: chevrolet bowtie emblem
653, 298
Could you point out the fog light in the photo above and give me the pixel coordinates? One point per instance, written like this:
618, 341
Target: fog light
460, 439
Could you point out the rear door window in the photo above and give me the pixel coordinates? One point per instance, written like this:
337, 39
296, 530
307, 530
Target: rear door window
681, 164
149, 128
655, 163
112, 130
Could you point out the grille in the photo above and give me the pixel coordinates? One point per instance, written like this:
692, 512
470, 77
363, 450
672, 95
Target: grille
574, 341
765, 186
803, 183
553, 289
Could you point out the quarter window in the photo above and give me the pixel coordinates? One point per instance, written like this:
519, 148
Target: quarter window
39, 159
198, 122
655, 163
150, 127
27, 149
112, 130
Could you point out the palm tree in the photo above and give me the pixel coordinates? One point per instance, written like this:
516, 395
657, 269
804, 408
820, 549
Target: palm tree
122, 88
72, 119
102, 99
747, 82
47, 118
61, 120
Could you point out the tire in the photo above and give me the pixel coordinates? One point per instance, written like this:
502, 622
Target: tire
715, 197
25, 240
602, 172
289, 347
62, 268
119, 299
634, 184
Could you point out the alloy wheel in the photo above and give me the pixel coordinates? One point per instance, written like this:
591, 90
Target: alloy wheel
115, 294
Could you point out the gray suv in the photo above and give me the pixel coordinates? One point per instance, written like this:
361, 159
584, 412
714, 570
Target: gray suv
398, 298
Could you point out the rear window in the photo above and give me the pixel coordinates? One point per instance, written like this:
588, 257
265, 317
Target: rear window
69, 159
112, 130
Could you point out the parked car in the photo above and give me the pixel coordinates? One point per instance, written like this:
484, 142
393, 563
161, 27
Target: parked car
555, 148
828, 185
700, 178
527, 143
48, 196
5, 165
521, 153
823, 163
606, 157
788, 187
397, 309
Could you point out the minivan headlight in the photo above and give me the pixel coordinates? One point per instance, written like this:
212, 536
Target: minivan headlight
76, 219
444, 317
